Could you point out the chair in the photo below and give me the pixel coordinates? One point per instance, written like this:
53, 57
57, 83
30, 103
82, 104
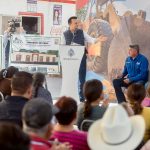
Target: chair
85, 125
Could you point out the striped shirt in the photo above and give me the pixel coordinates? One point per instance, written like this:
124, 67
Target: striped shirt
77, 139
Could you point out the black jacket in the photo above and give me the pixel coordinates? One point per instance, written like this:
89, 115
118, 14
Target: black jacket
11, 109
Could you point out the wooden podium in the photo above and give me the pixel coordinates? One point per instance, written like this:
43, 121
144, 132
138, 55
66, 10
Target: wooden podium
70, 58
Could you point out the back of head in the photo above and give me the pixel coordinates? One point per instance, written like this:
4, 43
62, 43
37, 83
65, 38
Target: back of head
8, 73
93, 90
38, 79
148, 89
68, 109
37, 113
21, 82
11, 71
13, 138
136, 93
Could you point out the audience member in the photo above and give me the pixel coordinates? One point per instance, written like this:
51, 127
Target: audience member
128, 109
146, 101
135, 70
146, 146
5, 80
38, 88
135, 94
11, 108
13, 138
91, 109
36, 116
116, 131
64, 129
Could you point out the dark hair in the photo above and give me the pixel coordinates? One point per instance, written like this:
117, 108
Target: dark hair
148, 89
70, 19
136, 47
13, 138
21, 81
54, 14
136, 93
37, 113
92, 90
8, 73
38, 80
67, 110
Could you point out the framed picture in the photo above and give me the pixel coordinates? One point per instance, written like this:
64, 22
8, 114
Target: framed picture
57, 15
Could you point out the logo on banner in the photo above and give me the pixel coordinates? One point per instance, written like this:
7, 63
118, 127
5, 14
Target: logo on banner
17, 41
71, 52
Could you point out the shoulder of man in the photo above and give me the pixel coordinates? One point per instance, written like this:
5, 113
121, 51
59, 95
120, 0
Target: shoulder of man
143, 56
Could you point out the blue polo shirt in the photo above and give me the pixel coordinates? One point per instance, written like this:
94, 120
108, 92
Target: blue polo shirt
136, 69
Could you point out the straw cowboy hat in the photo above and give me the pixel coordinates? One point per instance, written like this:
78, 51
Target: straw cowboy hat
116, 131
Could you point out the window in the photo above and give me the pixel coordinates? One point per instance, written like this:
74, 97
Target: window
41, 59
18, 57
47, 59
53, 59
28, 58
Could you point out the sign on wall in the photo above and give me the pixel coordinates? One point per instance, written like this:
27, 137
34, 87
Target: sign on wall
57, 15
32, 5
35, 53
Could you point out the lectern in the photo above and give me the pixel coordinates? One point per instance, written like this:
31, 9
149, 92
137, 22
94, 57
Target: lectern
70, 58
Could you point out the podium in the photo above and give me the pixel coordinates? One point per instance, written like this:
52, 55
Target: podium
70, 58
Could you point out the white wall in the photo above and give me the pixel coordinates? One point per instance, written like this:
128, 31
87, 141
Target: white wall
12, 7
68, 10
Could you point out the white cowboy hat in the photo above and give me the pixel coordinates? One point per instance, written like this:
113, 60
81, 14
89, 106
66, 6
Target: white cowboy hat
116, 131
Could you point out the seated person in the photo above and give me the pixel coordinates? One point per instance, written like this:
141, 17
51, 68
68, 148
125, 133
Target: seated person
64, 130
116, 131
136, 93
11, 107
36, 117
135, 70
13, 138
5, 80
91, 109
38, 88
146, 101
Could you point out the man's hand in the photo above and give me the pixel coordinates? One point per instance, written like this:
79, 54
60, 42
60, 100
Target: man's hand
119, 76
8, 30
60, 146
127, 81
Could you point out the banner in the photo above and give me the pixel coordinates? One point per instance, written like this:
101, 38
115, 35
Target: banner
35, 53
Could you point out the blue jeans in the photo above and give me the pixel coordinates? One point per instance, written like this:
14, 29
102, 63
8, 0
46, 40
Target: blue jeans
82, 76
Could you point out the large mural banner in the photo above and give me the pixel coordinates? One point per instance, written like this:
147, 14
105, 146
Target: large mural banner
35, 53
124, 22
